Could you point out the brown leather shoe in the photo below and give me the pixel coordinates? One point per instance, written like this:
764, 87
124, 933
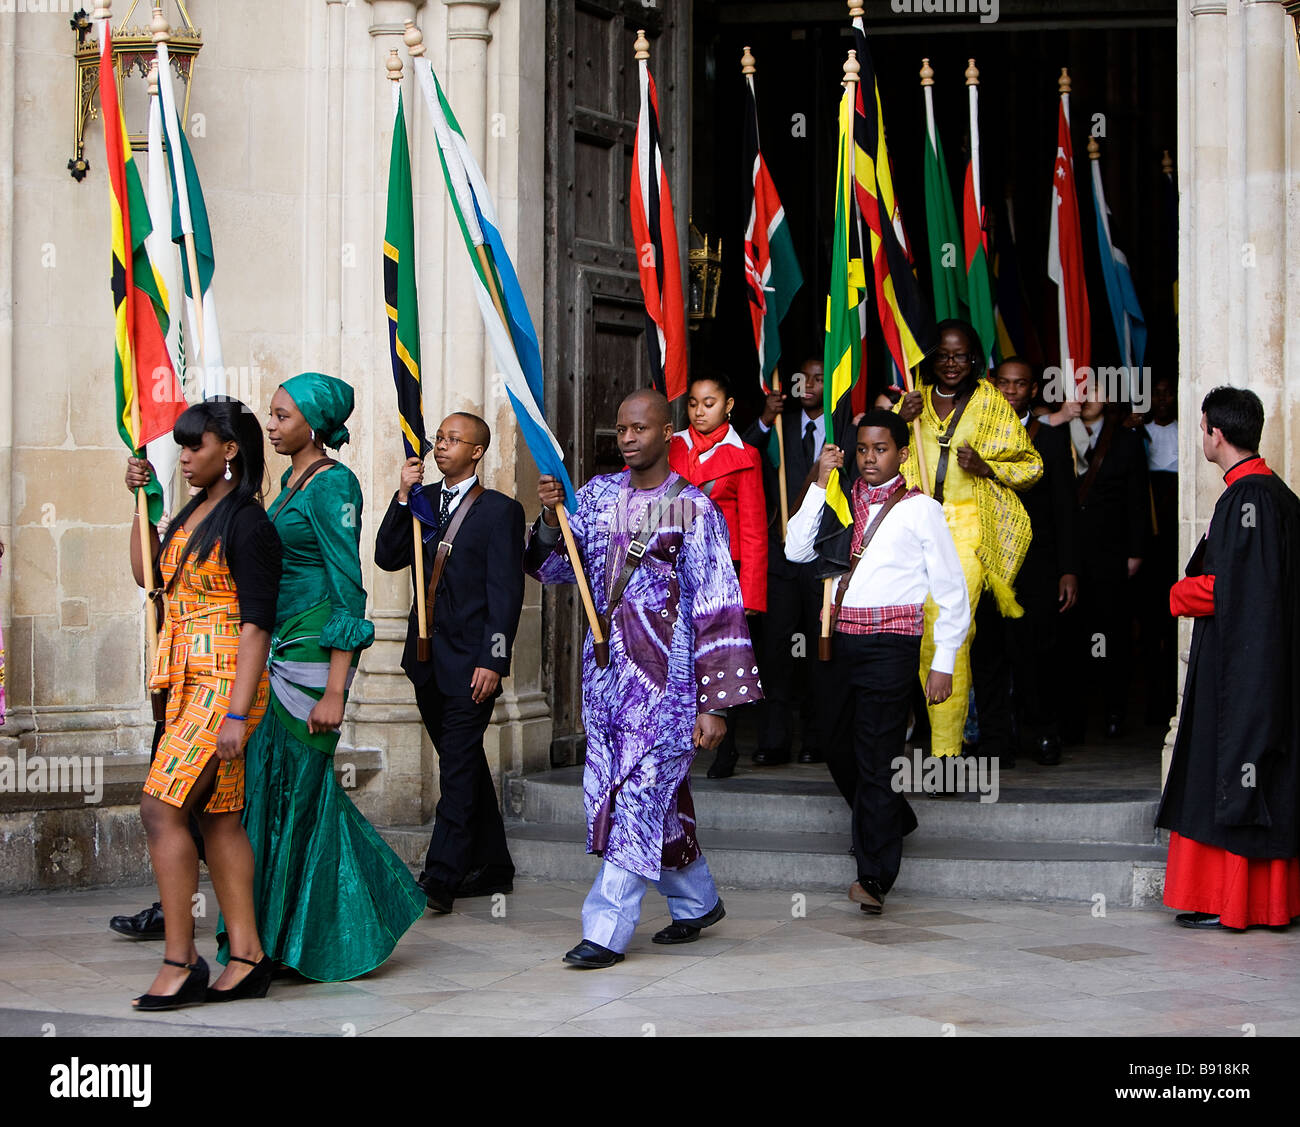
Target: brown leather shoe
871, 904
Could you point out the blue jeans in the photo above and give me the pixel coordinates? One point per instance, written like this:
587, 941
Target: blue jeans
613, 906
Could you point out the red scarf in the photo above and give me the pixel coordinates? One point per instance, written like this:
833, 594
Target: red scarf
702, 444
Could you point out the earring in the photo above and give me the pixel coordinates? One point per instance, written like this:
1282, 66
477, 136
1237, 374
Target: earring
227, 469
313, 436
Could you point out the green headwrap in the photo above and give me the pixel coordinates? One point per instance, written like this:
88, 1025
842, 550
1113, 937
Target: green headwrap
325, 403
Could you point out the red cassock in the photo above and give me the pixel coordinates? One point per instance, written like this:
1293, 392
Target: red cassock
736, 474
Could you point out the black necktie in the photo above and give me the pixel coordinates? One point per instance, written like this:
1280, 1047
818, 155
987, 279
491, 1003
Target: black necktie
808, 442
444, 517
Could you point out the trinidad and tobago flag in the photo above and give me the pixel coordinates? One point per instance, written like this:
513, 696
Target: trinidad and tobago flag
656, 246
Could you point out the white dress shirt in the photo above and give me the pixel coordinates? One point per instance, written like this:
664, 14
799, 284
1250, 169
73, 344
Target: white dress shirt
436, 495
911, 555
1162, 454
819, 430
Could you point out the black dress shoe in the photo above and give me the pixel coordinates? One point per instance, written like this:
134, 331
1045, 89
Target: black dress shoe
770, 757
688, 931
1048, 752
143, 925
254, 984
810, 756
1201, 920
867, 895
193, 990
484, 882
592, 956
438, 896
724, 763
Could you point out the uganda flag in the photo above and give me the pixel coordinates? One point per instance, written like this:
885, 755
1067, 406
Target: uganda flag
149, 396
400, 301
842, 357
906, 323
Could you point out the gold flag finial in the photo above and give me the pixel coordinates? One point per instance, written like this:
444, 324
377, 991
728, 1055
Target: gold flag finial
162, 30
413, 37
927, 73
1063, 83
641, 46
748, 64
855, 9
972, 73
852, 67
393, 65
1094, 149
1167, 164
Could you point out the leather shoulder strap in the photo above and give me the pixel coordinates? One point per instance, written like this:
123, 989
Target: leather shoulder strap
842, 587
305, 477
945, 439
445, 544
1098, 456
650, 523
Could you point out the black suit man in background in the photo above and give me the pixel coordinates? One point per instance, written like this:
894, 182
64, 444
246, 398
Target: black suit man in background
794, 593
1016, 661
474, 615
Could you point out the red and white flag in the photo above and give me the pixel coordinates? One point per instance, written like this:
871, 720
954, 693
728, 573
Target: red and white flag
655, 236
1065, 261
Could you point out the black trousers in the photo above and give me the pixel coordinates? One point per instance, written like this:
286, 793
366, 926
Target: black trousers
788, 662
468, 832
1100, 639
870, 694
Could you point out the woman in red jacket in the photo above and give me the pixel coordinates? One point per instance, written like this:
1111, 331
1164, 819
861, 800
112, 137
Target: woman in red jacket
712, 457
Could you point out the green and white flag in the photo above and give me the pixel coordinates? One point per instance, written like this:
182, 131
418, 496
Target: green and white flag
190, 217
947, 261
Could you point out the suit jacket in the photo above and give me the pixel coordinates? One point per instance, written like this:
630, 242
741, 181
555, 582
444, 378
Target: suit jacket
1115, 520
797, 468
1053, 508
476, 609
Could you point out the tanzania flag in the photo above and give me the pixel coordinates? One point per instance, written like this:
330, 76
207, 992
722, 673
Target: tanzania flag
771, 267
906, 323
843, 351
403, 308
655, 236
509, 328
978, 288
947, 268
149, 397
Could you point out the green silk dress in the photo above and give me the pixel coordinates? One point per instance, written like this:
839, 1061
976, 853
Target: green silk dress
332, 899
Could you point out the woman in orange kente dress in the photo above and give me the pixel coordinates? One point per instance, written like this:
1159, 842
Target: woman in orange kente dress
219, 569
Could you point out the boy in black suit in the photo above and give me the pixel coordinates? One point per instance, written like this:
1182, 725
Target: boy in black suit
474, 614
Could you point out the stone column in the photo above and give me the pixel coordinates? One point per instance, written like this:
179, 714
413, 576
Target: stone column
7, 111
1233, 190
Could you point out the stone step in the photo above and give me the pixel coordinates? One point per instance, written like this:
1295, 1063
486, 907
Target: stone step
757, 802
1126, 875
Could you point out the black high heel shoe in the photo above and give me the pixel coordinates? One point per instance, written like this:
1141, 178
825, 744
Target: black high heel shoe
193, 990
254, 984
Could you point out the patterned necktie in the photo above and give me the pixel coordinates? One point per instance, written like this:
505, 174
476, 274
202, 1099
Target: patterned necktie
444, 516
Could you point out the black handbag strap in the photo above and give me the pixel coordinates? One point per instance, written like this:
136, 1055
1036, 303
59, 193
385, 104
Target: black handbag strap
945, 440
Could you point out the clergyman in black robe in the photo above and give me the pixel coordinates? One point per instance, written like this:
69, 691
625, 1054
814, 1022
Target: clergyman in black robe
1230, 802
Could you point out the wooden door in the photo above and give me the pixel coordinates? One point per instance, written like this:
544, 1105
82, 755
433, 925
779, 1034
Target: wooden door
594, 319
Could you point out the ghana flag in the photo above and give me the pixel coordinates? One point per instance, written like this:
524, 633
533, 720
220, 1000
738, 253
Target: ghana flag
149, 397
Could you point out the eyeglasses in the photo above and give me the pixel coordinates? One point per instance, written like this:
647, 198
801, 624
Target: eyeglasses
451, 440
955, 357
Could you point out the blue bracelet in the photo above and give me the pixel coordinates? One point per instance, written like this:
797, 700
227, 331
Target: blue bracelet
235, 716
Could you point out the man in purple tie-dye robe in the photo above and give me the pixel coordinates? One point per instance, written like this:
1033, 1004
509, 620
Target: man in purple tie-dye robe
679, 656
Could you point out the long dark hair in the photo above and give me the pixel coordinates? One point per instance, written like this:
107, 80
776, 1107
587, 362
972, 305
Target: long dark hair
973, 349
229, 421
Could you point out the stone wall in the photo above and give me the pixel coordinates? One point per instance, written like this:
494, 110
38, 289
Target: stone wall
290, 120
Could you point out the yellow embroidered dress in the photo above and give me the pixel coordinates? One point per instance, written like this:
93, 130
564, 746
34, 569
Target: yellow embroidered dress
988, 523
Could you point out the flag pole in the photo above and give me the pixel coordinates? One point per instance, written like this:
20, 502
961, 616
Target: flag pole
423, 646
593, 619
780, 459
1063, 335
162, 34
749, 68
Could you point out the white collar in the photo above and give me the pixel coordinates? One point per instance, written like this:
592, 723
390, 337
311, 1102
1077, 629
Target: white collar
463, 487
806, 418
1024, 419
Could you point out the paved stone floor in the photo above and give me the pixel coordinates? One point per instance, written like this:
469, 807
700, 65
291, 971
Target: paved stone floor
926, 968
